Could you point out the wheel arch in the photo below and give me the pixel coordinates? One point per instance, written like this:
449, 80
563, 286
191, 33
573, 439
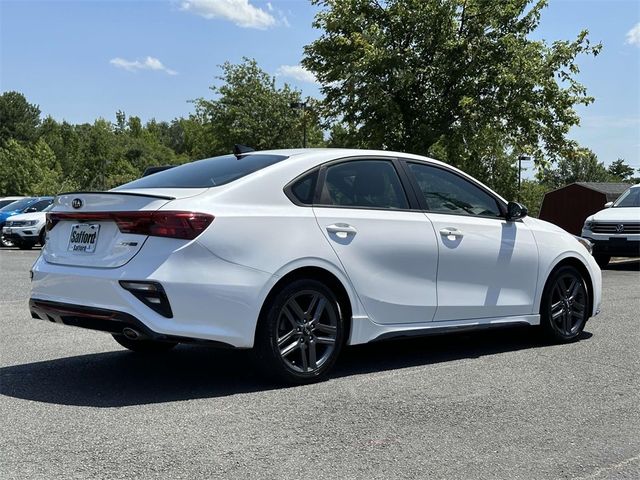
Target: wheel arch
584, 271
345, 299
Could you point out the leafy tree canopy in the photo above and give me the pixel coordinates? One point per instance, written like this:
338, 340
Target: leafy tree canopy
458, 78
250, 109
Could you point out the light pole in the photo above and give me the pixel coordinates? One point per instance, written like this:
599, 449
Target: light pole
302, 106
521, 158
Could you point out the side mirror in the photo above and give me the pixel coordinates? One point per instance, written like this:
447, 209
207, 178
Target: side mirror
608, 205
516, 210
31, 210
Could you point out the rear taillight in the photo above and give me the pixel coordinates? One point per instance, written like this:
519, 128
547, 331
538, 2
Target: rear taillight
172, 224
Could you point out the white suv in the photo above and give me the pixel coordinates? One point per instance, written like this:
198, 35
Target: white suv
26, 229
615, 231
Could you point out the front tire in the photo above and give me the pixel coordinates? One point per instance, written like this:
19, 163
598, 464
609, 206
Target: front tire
143, 346
301, 333
565, 303
5, 242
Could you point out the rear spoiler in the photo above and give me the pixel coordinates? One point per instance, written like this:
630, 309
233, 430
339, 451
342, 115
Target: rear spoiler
150, 195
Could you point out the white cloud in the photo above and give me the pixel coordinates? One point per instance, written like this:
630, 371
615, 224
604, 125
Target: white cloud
240, 12
269, 7
149, 63
633, 35
297, 72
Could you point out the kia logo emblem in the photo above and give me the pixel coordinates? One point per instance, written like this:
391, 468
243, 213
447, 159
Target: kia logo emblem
76, 203
619, 228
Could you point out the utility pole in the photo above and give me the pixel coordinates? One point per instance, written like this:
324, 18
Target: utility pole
302, 106
521, 158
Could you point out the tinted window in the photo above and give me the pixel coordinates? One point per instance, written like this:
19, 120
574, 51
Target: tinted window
304, 188
206, 173
364, 183
17, 205
41, 205
446, 192
5, 202
630, 198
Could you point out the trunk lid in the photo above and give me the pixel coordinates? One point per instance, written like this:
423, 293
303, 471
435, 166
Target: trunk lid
82, 232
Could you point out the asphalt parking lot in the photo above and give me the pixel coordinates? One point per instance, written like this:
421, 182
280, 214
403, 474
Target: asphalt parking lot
499, 404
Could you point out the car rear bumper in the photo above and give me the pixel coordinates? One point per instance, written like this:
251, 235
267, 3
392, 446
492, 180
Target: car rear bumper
210, 299
103, 320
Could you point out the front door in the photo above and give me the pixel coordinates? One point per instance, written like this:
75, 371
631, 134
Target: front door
487, 266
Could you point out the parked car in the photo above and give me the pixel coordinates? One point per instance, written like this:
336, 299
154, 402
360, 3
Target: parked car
25, 205
615, 231
26, 229
295, 253
4, 201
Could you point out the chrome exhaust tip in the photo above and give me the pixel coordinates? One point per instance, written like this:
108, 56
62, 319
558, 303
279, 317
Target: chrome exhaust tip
131, 334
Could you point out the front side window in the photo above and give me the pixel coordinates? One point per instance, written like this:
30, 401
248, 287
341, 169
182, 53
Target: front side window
446, 192
364, 183
630, 198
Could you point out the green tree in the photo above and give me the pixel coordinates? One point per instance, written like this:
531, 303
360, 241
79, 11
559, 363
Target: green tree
531, 195
581, 165
620, 170
458, 78
19, 119
250, 109
30, 170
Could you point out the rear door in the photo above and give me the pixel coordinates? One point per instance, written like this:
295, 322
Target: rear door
488, 266
387, 249
91, 238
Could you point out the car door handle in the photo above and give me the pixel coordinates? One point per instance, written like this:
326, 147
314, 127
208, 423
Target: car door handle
451, 232
341, 228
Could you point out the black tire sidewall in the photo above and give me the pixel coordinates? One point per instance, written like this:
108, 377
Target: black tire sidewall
266, 349
545, 305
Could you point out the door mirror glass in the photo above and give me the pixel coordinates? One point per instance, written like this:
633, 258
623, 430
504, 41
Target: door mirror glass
608, 205
516, 210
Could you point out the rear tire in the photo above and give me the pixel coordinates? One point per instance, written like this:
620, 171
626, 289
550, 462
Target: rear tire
602, 260
143, 346
300, 333
42, 238
564, 309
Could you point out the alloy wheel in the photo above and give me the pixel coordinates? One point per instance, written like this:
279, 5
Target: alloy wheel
568, 304
307, 330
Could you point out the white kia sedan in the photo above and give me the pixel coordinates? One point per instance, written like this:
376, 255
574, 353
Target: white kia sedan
295, 253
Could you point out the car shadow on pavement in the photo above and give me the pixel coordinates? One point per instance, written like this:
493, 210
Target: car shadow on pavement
121, 378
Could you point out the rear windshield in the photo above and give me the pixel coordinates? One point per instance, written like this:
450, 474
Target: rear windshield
17, 205
210, 172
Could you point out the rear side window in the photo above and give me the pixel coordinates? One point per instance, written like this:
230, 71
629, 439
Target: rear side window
364, 183
210, 172
303, 190
446, 192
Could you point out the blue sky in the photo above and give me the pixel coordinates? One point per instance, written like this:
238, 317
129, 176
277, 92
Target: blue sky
79, 60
